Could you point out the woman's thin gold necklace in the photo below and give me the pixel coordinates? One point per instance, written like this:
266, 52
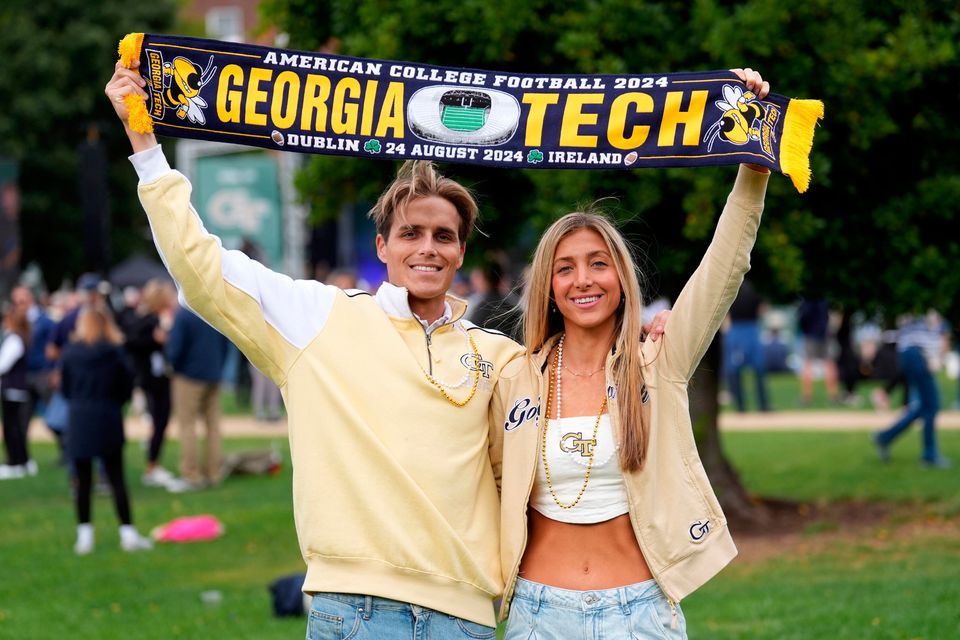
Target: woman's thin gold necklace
555, 380
476, 378
579, 374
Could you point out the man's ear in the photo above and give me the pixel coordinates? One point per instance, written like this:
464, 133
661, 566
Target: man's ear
463, 251
382, 248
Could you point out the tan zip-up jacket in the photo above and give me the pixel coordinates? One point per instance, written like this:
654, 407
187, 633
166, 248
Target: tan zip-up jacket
675, 515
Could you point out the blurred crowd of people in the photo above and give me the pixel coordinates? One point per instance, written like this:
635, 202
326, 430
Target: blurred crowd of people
76, 357
174, 364
823, 346
842, 352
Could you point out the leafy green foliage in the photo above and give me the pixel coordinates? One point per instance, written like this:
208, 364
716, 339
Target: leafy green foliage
55, 58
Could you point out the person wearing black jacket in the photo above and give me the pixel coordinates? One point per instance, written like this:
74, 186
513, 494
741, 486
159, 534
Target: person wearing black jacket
97, 381
146, 333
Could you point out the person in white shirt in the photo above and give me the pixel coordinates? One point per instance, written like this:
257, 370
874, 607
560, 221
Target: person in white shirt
15, 393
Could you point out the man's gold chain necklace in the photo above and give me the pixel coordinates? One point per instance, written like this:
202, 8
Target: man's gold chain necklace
476, 378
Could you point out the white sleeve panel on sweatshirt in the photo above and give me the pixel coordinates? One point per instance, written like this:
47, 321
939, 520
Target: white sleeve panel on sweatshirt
268, 315
297, 309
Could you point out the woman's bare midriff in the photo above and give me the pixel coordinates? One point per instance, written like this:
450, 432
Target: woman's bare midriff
604, 555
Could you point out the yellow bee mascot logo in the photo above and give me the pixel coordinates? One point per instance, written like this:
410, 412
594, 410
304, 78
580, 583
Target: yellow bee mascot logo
741, 120
182, 81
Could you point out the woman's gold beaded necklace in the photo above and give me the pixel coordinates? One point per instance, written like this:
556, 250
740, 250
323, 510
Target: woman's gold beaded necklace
555, 381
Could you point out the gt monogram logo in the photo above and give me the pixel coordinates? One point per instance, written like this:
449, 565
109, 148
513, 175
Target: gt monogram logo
575, 442
699, 530
476, 363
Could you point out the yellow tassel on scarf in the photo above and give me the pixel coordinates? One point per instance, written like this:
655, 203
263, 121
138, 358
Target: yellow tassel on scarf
129, 50
140, 120
798, 126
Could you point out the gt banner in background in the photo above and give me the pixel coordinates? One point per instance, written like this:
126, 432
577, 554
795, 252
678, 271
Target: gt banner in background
238, 198
323, 103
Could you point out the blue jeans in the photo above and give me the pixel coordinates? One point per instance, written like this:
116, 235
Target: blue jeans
742, 348
924, 402
637, 611
343, 616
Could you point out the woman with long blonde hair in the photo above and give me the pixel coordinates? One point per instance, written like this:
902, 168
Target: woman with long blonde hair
608, 519
97, 382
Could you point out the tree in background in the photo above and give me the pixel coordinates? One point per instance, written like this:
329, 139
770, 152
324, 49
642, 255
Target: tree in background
55, 58
875, 232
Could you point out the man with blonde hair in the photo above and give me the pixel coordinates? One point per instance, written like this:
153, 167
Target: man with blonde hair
394, 469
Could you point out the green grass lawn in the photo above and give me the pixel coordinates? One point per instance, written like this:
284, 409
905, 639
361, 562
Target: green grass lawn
842, 465
783, 390
48, 592
875, 582
899, 578
899, 589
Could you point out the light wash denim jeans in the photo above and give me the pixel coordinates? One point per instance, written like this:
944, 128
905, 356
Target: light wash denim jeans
343, 616
743, 349
637, 611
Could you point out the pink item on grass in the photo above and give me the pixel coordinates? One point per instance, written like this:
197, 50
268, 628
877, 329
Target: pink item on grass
189, 529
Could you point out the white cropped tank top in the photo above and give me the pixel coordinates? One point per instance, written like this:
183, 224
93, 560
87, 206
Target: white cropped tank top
568, 454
